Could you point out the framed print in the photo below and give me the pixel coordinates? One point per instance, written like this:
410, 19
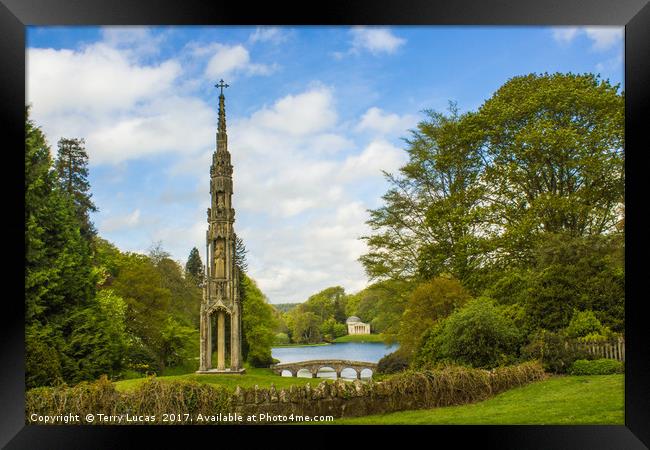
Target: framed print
387, 218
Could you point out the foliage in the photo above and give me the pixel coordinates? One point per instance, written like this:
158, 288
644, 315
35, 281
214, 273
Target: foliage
258, 324
309, 322
281, 339
428, 303
596, 367
72, 168
179, 343
553, 351
394, 362
382, 305
544, 155
584, 323
555, 146
59, 279
428, 225
194, 267
477, 335
583, 273
331, 329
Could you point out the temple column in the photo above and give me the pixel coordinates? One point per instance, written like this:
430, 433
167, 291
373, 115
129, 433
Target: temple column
221, 341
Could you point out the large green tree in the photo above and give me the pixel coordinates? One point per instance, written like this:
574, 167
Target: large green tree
62, 312
543, 155
554, 147
72, 167
432, 218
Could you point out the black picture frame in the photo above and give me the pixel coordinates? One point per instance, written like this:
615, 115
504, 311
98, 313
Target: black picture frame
15, 15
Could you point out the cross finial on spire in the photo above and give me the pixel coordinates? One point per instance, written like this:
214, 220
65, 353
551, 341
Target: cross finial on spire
221, 85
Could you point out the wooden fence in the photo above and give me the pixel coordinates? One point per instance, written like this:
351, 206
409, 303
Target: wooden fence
612, 349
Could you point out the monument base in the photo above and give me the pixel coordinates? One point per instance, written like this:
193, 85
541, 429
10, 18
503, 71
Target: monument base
221, 371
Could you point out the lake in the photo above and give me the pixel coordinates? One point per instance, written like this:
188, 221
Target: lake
355, 351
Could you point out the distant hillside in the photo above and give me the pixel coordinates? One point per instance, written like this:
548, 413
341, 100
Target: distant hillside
285, 307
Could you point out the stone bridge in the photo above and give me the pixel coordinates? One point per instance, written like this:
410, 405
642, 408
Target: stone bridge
315, 365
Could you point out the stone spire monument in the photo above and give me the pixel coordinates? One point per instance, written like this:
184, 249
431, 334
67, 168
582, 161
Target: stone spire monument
221, 300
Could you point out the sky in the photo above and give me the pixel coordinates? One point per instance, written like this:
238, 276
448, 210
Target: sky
315, 114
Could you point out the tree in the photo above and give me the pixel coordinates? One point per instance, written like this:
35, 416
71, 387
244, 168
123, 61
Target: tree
72, 167
554, 147
429, 302
194, 267
382, 305
147, 300
258, 325
59, 280
431, 220
583, 273
477, 335
240, 254
543, 155
157, 253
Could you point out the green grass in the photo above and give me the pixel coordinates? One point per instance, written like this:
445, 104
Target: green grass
252, 377
360, 338
560, 400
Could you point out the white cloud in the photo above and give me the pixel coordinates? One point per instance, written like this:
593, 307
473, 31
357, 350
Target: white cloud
228, 60
117, 222
375, 40
274, 35
97, 79
564, 35
377, 156
602, 38
378, 121
301, 114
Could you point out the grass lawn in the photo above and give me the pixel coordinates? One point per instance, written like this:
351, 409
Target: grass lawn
252, 377
560, 400
361, 338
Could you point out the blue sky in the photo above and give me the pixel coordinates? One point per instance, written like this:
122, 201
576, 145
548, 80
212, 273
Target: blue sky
314, 115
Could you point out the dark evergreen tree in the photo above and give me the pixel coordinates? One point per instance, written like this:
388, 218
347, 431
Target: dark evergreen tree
194, 267
72, 168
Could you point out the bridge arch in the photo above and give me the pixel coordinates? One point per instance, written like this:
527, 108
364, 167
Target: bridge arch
304, 373
366, 373
342, 368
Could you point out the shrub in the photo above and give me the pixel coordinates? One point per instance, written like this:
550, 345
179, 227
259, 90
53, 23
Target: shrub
553, 351
281, 339
393, 362
478, 335
428, 303
584, 323
596, 367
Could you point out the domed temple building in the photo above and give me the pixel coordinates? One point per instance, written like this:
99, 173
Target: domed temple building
356, 326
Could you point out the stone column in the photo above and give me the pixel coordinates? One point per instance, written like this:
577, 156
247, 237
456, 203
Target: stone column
202, 333
235, 351
221, 341
208, 341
